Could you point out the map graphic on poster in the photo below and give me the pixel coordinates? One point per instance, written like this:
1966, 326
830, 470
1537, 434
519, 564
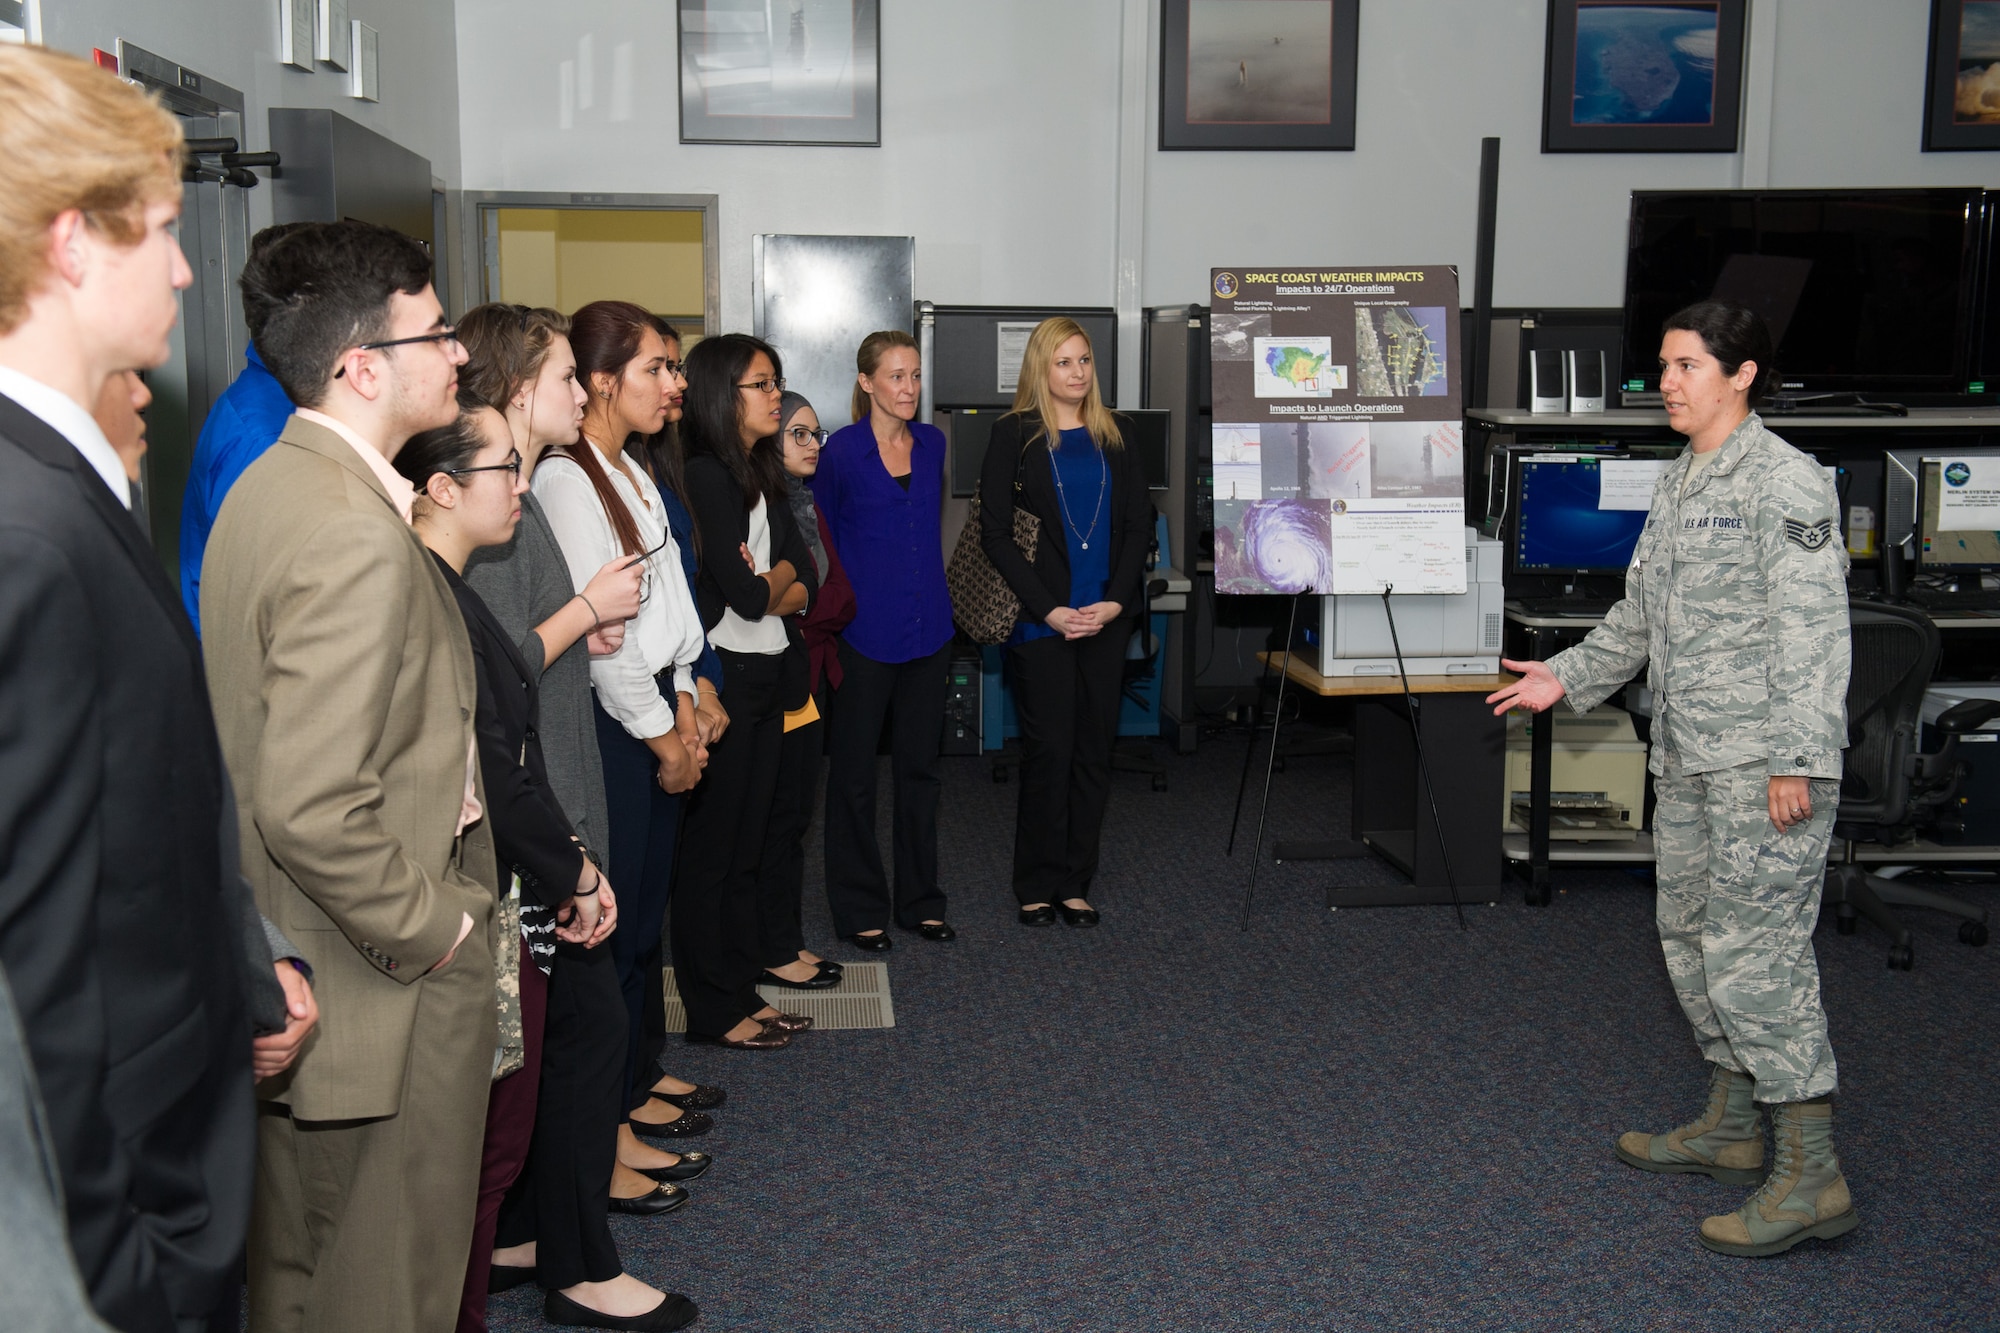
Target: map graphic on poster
1338, 437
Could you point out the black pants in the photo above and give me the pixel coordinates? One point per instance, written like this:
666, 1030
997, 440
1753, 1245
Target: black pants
1066, 694
911, 694
558, 1201
640, 846
782, 880
716, 955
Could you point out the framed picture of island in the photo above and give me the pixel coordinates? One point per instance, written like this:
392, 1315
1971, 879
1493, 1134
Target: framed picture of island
1962, 105
1643, 76
1258, 74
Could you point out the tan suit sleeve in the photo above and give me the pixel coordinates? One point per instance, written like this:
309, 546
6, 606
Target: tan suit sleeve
336, 640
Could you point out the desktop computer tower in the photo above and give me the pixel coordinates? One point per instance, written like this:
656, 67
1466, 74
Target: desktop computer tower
961, 707
1443, 634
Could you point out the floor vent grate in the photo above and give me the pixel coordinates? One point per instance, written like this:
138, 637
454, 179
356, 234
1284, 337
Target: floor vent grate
861, 1000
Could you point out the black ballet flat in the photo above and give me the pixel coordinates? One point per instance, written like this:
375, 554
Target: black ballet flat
828, 965
820, 980
1043, 915
937, 931
703, 1098
506, 1277
877, 943
692, 1166
1079, 917
690, 1125
676, 1311
664, 1198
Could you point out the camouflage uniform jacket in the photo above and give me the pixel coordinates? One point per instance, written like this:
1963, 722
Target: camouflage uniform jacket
1736, 602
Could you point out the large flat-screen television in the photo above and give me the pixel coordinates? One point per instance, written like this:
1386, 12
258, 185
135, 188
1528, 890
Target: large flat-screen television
1878, 293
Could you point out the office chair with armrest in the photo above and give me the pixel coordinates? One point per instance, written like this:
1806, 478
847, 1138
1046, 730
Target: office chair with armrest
1889, 788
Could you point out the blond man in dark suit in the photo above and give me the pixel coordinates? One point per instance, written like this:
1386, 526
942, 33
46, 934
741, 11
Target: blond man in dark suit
345, 696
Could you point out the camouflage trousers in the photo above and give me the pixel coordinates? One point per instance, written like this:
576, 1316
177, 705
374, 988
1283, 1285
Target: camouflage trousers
1738, 900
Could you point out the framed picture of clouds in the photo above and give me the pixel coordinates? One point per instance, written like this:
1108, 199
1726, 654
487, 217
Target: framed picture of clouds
1643, 76
1962, 110
1257, 74
781, 71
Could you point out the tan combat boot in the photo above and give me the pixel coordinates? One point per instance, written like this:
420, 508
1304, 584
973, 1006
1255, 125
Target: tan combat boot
1727, 1142
1805, 1197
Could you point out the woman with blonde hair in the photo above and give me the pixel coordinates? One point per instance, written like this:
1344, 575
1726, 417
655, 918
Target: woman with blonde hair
880, 485
1060, 453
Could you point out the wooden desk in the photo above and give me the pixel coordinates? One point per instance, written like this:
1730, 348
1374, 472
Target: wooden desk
1465, 751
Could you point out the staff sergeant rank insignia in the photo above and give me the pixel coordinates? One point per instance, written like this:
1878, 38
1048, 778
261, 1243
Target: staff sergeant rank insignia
1809, 536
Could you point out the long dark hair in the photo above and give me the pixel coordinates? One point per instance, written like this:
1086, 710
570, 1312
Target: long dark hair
714, 416
1733, 334
606, 335
662, 456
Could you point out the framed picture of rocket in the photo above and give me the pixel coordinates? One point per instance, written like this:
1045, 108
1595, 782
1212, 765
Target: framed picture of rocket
1258, 74
1643, 76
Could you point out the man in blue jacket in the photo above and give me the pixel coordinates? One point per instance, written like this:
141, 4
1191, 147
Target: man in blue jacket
244, 422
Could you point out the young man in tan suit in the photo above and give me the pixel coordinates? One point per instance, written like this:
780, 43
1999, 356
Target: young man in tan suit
344, 693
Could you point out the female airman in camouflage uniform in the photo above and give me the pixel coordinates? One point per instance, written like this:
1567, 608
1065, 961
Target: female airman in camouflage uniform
1736, 604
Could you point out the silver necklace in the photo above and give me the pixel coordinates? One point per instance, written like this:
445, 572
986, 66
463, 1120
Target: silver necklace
1062, 496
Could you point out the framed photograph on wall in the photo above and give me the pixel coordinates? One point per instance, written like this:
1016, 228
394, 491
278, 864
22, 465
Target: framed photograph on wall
781, 71
1258, 74
1962, 105
1643, 76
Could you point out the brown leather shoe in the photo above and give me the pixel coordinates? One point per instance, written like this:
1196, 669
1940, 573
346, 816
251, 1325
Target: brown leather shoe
785, 1022
768, 1038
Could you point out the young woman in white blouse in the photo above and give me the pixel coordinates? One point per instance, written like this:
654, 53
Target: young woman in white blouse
649, 737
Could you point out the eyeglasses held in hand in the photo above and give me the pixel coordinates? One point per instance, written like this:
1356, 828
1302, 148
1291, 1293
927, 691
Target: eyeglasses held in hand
764, 386
513, 465
449, 335
646, 560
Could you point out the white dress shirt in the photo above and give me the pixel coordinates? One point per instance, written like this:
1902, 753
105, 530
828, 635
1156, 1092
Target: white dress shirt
766, 634
74, 423
667, 630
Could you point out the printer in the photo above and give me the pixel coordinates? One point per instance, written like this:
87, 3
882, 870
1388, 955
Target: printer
1442, 634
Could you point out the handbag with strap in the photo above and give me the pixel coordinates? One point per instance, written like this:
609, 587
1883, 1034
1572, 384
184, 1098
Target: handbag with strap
982, 602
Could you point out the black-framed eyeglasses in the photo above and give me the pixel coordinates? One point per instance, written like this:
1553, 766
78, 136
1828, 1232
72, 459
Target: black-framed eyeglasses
646, 560
513, 465
799, 435
675, 368
449, 335
764, 385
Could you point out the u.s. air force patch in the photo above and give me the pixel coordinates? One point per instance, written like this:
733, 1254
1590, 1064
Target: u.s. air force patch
1809, 536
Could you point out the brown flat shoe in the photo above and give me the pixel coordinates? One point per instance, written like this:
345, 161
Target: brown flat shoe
768, 1038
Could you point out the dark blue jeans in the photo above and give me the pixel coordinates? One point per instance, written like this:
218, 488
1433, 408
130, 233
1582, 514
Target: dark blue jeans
645, 830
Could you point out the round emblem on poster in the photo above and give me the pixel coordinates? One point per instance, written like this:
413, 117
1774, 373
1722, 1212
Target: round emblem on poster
1225, 286
1957, 474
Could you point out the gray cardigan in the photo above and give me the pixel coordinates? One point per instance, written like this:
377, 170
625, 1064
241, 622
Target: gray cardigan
524, 583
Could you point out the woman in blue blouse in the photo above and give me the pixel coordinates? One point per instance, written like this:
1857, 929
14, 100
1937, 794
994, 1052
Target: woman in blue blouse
880, 486
1060, 454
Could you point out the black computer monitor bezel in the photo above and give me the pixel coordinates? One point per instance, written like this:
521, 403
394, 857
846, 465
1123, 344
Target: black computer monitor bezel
1510, 525
1925, 564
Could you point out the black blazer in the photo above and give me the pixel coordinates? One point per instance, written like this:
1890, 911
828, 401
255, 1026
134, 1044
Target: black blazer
119, 932
726, 583
531, 834
1044, 585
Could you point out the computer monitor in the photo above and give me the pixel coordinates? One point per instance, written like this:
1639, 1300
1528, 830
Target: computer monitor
1151, 432
1947, 543
970, 432
1577, 514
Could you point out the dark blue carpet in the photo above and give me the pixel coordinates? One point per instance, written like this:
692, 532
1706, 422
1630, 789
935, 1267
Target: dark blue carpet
1352, 1120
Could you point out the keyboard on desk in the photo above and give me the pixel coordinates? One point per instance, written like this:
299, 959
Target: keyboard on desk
1946, 603
1569, 608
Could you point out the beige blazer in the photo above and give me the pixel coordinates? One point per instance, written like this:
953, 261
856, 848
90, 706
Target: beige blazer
344, 691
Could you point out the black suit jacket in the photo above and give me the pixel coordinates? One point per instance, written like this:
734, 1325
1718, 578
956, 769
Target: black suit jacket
726, 583
531, 834
118, 929
1043, 584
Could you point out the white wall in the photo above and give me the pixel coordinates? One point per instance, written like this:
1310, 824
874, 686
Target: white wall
236, 41
998, 152
1000, 134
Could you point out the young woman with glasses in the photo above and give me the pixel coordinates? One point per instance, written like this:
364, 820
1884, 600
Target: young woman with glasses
469, 486
601, 505
1080, 599
781, 879
880, 484
756, 579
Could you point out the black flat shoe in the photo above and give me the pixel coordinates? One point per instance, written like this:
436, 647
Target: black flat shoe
877, 943
665, 1198
939, 931
784, 1022
506, 1277
768, 1038
692, 1166
817, 981
690, 1125
676, 1311
703, 1098
1078, 916
1044, 915
828, 965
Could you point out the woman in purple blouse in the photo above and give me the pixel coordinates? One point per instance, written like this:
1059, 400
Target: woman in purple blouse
880, 486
